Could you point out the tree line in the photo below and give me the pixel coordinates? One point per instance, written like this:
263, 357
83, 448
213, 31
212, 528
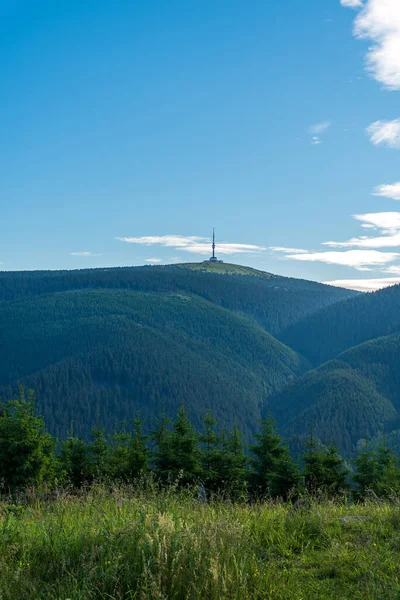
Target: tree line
174, 453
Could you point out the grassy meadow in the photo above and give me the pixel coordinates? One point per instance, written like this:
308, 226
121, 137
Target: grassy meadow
125, 543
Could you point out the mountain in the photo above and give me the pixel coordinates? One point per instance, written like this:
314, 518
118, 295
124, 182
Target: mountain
274, 302
106, 342
348, 399
111, 352
326, 333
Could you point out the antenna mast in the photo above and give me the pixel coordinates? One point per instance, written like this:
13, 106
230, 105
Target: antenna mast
213, 244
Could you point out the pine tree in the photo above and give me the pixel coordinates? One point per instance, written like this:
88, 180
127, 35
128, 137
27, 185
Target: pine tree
184, 447
388, 483
324, 470
285, 478
26, 449
75, 461
366, 471
376, 471
273, 470
233, 472
161, 455
138, 455
210, 454
119, 454
99, 453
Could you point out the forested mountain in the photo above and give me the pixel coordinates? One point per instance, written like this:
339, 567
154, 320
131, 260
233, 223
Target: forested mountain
353, 397
110, 352
274, 302
324, 334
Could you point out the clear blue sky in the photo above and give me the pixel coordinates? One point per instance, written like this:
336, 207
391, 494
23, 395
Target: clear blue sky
145, 119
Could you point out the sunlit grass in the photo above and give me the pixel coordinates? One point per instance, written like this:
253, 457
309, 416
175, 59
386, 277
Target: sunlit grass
151, 544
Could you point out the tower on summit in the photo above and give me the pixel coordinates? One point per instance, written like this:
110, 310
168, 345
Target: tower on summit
213, 258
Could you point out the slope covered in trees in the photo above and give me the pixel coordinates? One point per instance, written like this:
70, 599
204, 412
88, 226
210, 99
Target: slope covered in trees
274, 302
348, 399
324, 334
110, 352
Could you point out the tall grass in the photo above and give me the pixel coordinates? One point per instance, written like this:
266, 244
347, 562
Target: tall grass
146, 544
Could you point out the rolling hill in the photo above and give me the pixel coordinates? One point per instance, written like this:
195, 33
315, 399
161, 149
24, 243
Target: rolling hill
325, 334
110, 352
347, 399
274, 302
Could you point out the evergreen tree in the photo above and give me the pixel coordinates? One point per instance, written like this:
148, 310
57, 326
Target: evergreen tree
184, 447
273, 470
99, 453
210, 454
324, 470
376, 471
285, 478
232, 463
388, 482
119, 454
26, 449
161, 455
138, 456
75, 460
366, 471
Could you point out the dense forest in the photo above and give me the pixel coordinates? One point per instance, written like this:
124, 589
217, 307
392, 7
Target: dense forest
103, 343
353, 397
110, 352
274, 302
175, 454
326, 333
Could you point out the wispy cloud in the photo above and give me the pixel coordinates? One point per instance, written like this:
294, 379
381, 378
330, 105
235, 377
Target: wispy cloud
385, 132
358, 259
193, 244
365, 285
153, 261
287, 250
388, 190
387, 221
84, 254
317, 130
351, 3
379, 22
388, 224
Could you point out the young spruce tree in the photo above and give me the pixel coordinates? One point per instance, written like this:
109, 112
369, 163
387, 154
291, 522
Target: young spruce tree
273, 470
325, 471
26, 449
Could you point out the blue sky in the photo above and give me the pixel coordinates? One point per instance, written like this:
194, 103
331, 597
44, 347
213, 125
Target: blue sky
130, 129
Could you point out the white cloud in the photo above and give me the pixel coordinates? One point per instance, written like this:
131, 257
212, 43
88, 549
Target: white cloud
153, 261
319, 128
315, 141
388, 190
349, 258
287, 250
387, 222
351, 3
379, 21
193, 244
365, 285
394, 270
385, 132
389, 241
84, 254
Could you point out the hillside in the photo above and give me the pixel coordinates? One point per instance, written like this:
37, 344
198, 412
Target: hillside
110, 352
348, 399
326, 333
274, 302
